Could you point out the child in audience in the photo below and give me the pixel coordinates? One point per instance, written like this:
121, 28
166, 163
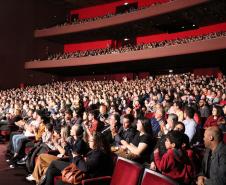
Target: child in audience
175, 162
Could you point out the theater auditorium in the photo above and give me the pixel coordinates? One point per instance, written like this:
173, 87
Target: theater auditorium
113, 92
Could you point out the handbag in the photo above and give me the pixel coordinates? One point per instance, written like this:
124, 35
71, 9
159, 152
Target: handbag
72, 175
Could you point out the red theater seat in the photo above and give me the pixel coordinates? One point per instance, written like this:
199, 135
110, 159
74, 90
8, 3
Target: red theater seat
154, 178
126, 172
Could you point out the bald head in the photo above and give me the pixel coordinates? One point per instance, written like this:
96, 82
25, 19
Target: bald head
215, 132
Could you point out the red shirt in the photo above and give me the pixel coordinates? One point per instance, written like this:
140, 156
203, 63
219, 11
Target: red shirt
212, 122
173, 165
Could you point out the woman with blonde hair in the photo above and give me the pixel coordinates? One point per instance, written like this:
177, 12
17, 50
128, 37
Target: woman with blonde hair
59, 141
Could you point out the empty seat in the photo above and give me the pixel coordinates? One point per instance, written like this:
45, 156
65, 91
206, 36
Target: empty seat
153, 178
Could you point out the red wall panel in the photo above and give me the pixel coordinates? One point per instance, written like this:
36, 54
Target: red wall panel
184, 34
143, 3
207, 71
99, 10
104, 9
87, 46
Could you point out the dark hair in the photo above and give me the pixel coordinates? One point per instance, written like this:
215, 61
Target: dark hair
140, 113
68, 111
178, 104
182, 124
57, 130
189, 112
100, 142
94, 113
186, 141
176, 137
129, 117
146, 125
79, 131
117, 118
219, 110
78, 111
49, 127
46, 119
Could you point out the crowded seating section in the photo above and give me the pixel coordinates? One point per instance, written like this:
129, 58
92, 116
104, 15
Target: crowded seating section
142, 131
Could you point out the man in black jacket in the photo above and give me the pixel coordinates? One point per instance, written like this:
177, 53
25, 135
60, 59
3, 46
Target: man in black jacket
126, 131
213, 170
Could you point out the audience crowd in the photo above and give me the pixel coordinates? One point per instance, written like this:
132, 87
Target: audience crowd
85, 20
130, 47
161, 123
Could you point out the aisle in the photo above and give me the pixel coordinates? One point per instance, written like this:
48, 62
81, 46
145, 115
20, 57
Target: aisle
11, 176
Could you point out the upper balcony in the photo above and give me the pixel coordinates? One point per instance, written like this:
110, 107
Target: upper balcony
120, 19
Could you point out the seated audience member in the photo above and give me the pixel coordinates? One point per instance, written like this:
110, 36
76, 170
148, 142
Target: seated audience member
102, 117
223, 122
77, 117
126, 131
189, 122
177, 105
175, 162
179, 126
93, 125
204, 111
112, 130
68, 115
60, 141
223, 99
142, 145
97, 162
11, 118
192, 155
215, 119
35, 129
213, 169
43, 146
31, 116
157, 122
127, 110
172, 120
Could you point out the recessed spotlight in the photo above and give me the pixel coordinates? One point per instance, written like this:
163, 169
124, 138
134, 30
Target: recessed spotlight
126, 3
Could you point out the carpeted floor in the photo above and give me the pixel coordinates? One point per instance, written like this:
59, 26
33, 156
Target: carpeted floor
9, 176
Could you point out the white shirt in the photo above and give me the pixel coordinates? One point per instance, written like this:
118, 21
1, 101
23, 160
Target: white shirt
190, 128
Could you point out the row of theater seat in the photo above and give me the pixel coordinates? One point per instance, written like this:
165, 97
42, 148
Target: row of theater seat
127, 172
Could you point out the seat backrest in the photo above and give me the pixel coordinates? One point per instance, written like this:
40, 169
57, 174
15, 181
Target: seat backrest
154, 178
126, 172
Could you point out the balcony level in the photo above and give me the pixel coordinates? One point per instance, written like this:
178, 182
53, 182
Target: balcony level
146, 54
149, 12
